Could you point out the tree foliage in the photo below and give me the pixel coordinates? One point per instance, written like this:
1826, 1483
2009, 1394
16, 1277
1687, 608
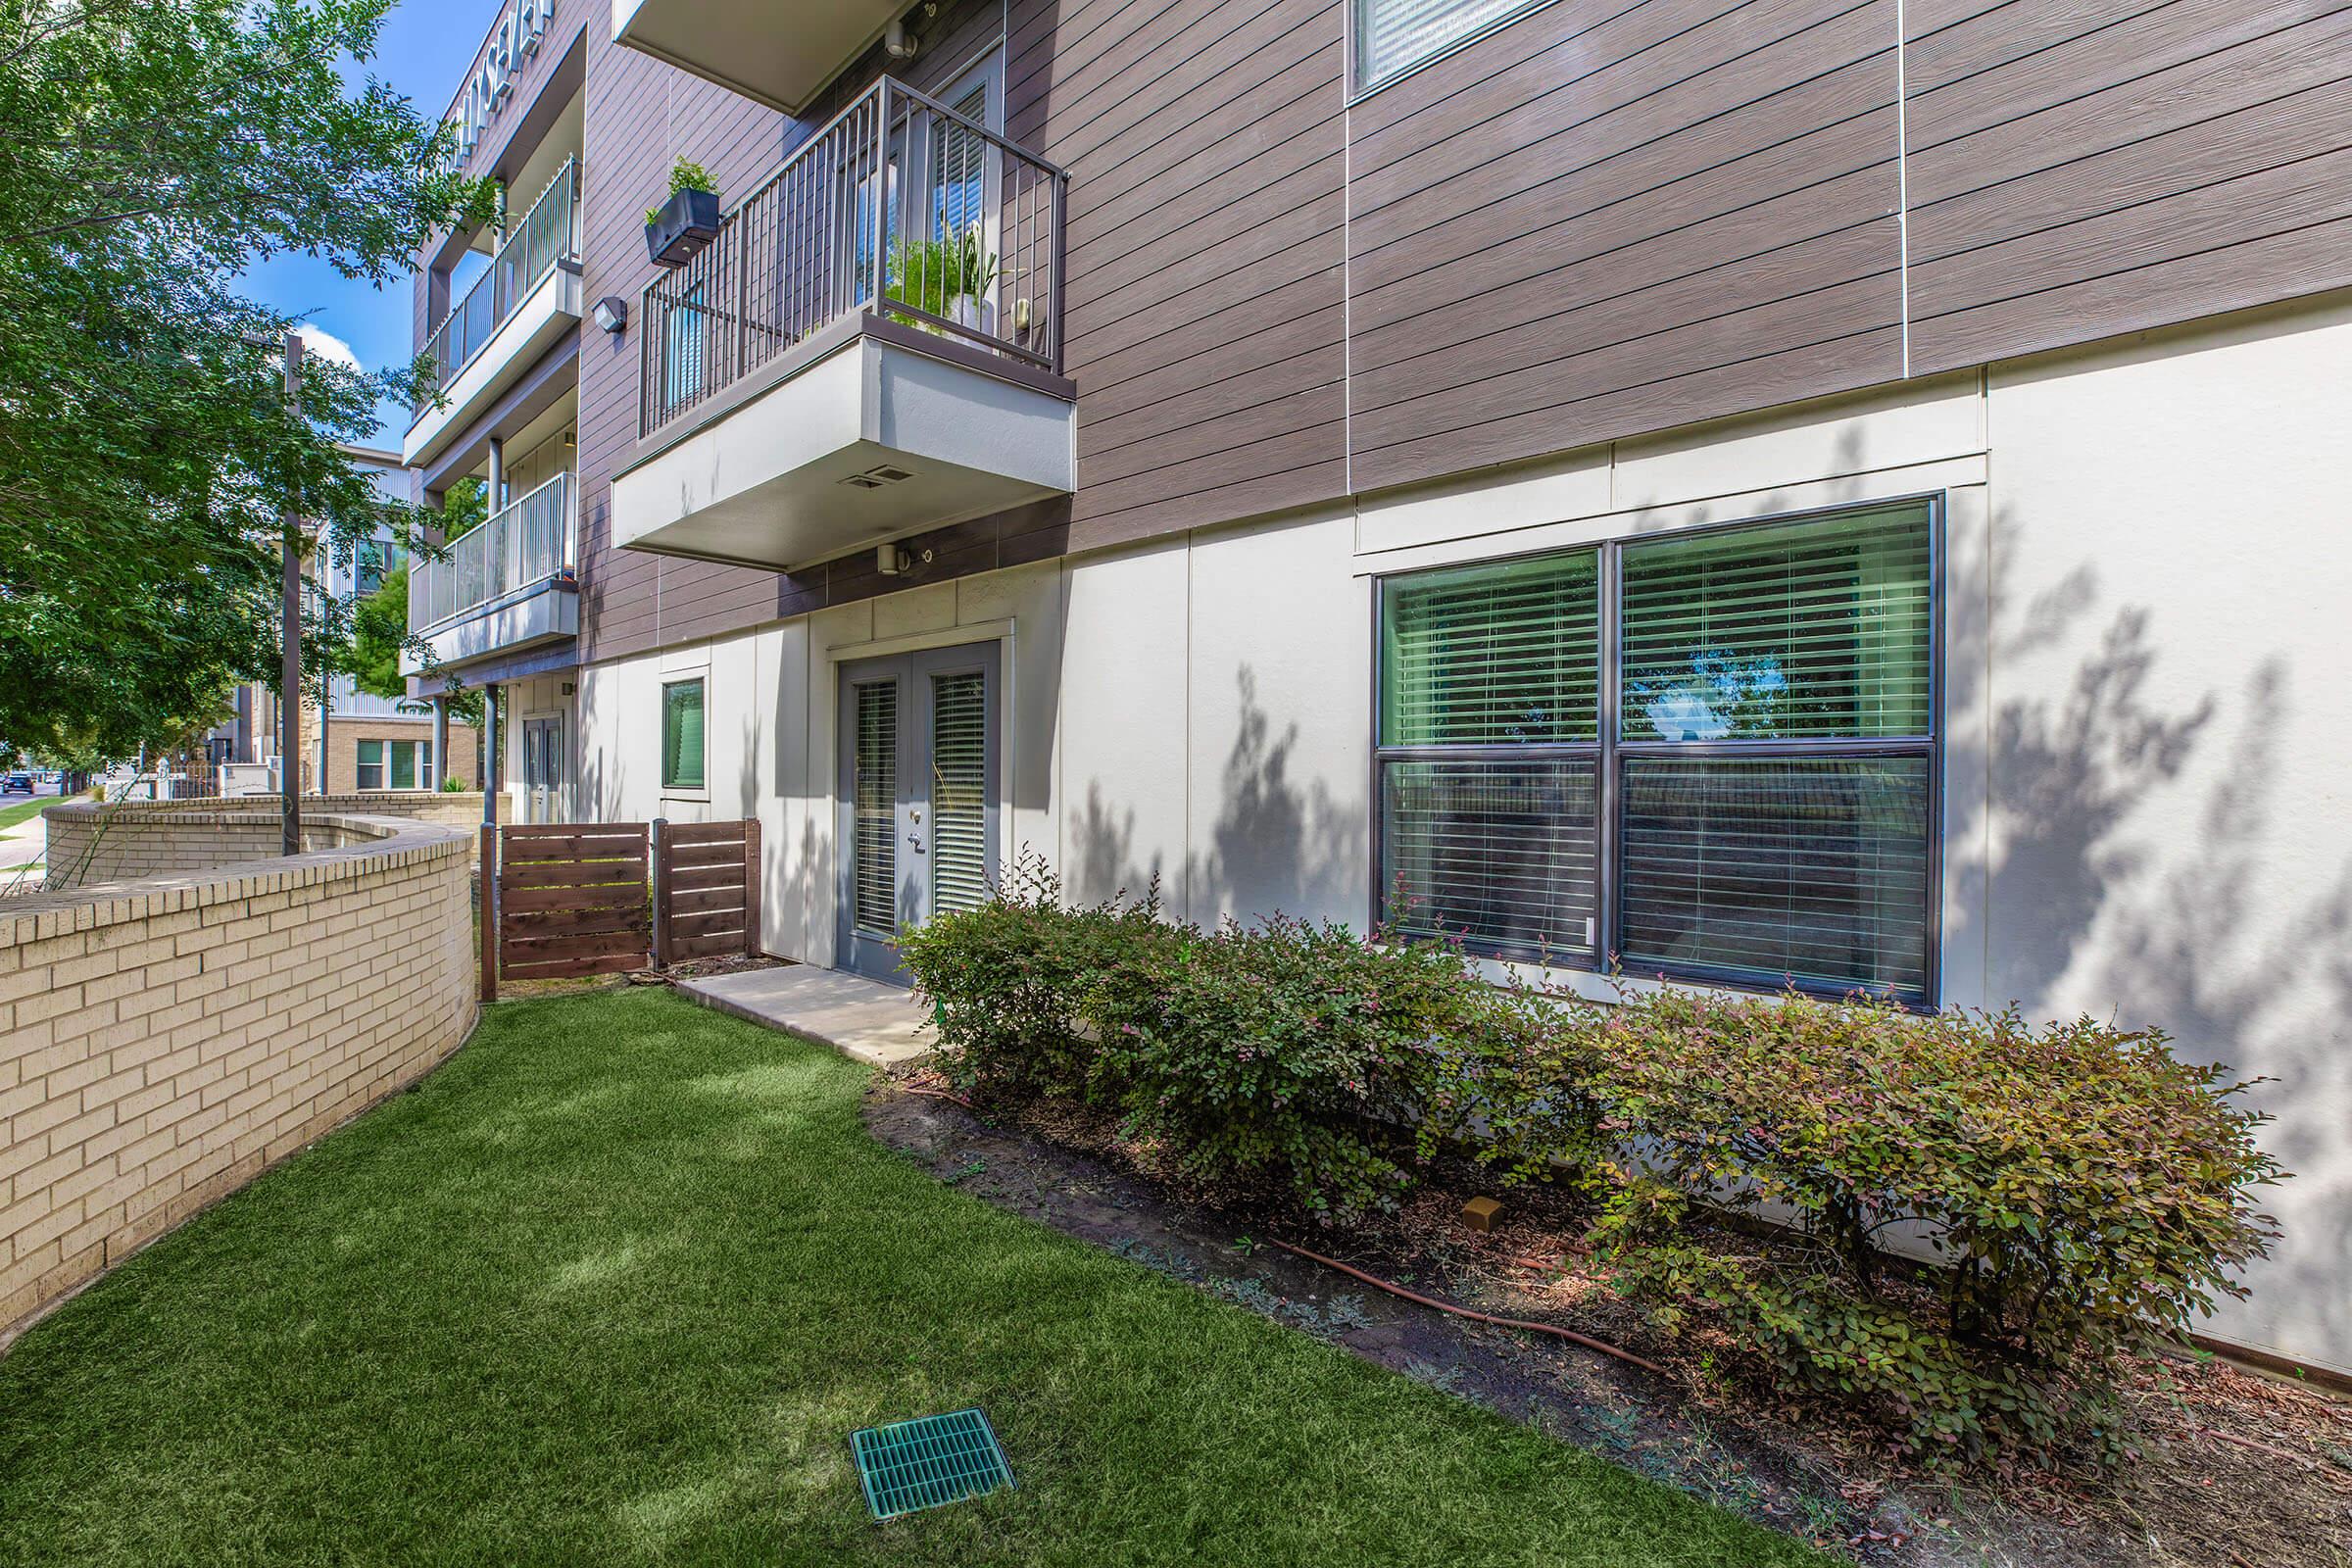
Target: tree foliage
154, 150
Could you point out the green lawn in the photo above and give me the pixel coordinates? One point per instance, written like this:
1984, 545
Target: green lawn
11, 816
615, 1286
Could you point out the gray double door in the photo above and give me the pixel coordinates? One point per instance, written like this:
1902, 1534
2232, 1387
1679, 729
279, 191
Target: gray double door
918, 797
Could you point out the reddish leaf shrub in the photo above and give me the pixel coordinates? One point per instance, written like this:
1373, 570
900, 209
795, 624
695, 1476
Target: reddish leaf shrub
2078, 1191
1008, 979
2087, 1192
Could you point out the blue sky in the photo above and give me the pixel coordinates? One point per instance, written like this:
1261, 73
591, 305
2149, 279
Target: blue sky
423, 52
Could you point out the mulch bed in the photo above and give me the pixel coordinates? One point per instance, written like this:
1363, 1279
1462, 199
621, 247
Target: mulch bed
2230, 1470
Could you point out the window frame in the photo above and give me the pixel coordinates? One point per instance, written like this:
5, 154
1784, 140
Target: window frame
421, 759
1359, 89
1609, 748
671, 789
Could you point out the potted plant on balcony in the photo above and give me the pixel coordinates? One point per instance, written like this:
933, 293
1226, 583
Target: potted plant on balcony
687, 221
948, 278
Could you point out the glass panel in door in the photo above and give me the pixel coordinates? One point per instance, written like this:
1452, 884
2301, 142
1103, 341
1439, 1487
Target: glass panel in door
543, 769
918, 797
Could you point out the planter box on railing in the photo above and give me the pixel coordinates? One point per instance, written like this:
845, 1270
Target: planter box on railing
683, 226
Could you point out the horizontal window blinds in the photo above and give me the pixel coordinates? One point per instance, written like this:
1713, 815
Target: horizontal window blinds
1498, 853
1814, 868
876, 802
1766, 753
682, 735
958, 791
1816, 629
1492, 656
1396, 35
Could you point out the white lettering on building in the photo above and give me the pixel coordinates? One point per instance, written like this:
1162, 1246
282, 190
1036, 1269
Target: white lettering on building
513, 42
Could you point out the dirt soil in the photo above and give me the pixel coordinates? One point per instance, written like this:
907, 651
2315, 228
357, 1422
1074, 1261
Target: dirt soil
2232, 1469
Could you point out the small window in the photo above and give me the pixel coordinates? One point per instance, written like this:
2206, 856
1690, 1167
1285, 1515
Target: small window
395, 765
1393, 36
1751, 797
682, 735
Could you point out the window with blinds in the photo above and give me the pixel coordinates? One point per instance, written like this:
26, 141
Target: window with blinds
874, 800
958, 791
1753, 796
682, 735
1393, 36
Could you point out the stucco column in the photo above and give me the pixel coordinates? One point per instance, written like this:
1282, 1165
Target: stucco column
440, 741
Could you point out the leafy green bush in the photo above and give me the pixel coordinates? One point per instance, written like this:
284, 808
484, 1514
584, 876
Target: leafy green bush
1008, 979
932, 274
1293, 1052
684, 174
2089, 1195
2088, 1191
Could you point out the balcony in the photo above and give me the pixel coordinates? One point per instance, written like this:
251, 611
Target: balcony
509, 584
523, 303
871, 347
780, 55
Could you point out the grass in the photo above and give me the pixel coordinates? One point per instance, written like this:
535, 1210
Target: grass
11, 816
615, 1284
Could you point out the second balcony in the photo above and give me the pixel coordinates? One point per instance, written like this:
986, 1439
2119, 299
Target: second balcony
871, 347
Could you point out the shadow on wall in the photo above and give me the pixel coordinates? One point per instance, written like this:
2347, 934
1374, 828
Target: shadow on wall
2096, 904
1276, 843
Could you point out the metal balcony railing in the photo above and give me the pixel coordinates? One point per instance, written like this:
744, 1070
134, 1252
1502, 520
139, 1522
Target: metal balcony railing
549, 233
898, 206
531, 540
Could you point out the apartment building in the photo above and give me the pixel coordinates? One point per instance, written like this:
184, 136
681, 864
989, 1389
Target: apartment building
1830, 492
353, 740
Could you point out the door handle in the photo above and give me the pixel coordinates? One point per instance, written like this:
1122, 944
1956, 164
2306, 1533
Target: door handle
915, 839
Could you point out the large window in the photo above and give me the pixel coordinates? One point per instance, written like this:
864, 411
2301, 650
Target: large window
682, 735
1708, 754
395, 765
1393, 36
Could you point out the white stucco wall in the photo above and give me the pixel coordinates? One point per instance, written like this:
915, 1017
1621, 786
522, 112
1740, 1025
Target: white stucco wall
2146, 568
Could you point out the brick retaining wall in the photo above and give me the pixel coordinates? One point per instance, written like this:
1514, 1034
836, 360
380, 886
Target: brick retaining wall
162, 1041
89, 842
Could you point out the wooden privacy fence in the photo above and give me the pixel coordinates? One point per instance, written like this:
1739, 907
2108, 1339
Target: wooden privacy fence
603, 898
561, 901
705, 890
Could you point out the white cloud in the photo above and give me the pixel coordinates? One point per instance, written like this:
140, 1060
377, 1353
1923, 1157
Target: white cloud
326, 345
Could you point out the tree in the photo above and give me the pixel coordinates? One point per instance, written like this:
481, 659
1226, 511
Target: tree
155, 149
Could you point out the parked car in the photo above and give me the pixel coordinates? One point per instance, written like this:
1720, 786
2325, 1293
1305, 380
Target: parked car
17, 783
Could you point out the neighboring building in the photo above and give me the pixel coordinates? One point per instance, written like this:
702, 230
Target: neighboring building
365, 742
1851, 492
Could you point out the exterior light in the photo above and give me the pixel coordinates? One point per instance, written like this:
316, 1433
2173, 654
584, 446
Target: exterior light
612, 312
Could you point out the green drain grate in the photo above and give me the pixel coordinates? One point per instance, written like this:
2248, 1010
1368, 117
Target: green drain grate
922, 1463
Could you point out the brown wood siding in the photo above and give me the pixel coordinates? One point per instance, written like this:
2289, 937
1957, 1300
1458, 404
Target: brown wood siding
1616, 218
2084, 171
1205, 320
1606, 219
641, 115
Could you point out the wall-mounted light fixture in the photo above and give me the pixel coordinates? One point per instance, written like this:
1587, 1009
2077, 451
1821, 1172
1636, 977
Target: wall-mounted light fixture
896, 561
612, 312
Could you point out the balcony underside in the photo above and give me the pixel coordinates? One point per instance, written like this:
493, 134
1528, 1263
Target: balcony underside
535, 615
770, 475
539, 320
777, 54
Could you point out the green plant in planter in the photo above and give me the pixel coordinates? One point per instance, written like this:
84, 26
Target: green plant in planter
685, 175
932, 274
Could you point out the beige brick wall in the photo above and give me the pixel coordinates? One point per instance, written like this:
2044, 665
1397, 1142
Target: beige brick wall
90, 842
162, 1041
343, 737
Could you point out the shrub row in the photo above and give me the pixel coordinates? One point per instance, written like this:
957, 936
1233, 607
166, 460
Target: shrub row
2081, 1192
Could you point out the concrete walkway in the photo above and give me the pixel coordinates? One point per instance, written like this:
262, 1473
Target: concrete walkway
866, 1021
